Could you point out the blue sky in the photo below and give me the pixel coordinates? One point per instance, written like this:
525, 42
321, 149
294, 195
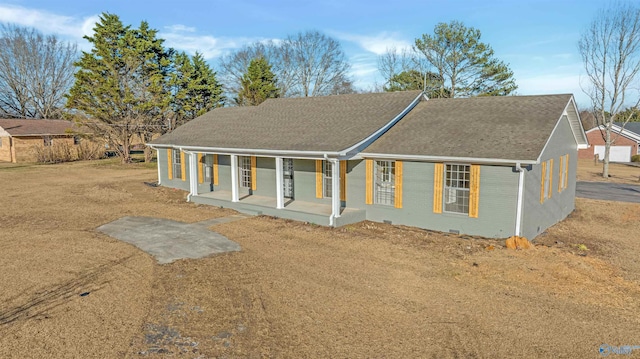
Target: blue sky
538, 39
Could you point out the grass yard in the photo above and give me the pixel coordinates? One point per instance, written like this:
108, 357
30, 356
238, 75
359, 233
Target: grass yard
297, 290
590, 171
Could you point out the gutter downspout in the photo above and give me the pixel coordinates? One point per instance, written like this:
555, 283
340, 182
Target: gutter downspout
158, 161
520, 171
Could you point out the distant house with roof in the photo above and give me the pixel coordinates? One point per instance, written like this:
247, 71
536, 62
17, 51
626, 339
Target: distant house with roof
488, 166
18, 137
626, 144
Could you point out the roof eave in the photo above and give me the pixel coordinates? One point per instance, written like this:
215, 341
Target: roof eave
423, 158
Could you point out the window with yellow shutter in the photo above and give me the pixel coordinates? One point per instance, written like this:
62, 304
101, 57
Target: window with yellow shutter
457, 183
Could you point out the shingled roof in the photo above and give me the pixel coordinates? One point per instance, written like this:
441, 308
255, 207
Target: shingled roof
509, 127
22, 127
328, 123
630, 126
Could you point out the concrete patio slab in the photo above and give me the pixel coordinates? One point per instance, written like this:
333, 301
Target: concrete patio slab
169, 240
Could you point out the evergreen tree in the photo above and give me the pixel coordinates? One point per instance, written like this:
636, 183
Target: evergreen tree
466, 65
121, 85
258, 84
414, 80
195, 87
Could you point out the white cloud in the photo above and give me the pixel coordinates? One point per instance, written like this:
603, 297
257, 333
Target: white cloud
47, 22
377, 44
209, 46
180, 28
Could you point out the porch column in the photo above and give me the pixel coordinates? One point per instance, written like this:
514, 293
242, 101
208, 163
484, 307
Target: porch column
193, 174
234, 178
335, 188
279, 181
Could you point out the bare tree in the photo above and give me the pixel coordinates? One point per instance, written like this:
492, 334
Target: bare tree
610, 49
235, 65
316, 62
36, 71
305, 64
394, 62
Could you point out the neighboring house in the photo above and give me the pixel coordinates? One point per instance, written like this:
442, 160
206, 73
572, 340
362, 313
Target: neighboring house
18, 137
626, 144
488, 166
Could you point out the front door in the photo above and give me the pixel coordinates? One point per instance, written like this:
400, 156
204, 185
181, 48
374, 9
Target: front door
287, 172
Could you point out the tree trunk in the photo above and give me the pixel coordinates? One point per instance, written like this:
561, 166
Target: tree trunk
126, 153
607, 150
148, 154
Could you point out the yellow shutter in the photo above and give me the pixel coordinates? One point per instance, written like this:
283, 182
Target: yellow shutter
200, 174
183, 167
544, 174
215, 170
343, 180
560, 172
368, 196
438, 176
550, 177
398, 194
169, 163
254, 173
474, 191
566, 171
318, 178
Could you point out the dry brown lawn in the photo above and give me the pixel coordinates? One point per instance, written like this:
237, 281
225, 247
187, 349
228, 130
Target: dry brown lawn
298, 290
590, 171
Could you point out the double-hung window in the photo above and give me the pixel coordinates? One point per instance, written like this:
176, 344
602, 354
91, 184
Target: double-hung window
327, 175
48, 141
177, 164
244, 167
385, 173
456, 188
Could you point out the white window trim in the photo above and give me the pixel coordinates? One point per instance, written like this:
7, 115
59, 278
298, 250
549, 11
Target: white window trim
244, 171
177, 164
384, 188
446, 194
326, 180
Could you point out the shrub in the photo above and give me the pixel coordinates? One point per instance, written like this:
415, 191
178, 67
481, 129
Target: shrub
635, 158
67, 152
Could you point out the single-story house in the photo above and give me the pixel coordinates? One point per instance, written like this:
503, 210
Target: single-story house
626, 144
488, 166
18, 137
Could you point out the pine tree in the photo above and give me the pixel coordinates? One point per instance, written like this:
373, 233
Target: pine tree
121, 87
195, 87
258, 84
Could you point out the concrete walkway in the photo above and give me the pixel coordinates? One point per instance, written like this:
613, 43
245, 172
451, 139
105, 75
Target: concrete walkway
169, 240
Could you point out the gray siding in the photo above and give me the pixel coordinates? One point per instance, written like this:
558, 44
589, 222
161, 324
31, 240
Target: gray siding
497, 201
164, 172
538, 217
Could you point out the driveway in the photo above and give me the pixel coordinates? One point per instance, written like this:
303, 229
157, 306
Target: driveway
169, 240
608, 191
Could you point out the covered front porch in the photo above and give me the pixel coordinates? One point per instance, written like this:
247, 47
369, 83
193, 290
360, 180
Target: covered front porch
292, 209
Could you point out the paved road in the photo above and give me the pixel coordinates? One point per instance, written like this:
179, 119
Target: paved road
608, 191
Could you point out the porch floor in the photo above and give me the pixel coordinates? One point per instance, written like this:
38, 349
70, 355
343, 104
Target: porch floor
293, 209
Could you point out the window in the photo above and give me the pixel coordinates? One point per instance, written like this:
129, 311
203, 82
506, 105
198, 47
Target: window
207, 168
547, 175
76, 140
327, 175
48, 141
385, 173
244, 168
177, 165
456, 188
1, 140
